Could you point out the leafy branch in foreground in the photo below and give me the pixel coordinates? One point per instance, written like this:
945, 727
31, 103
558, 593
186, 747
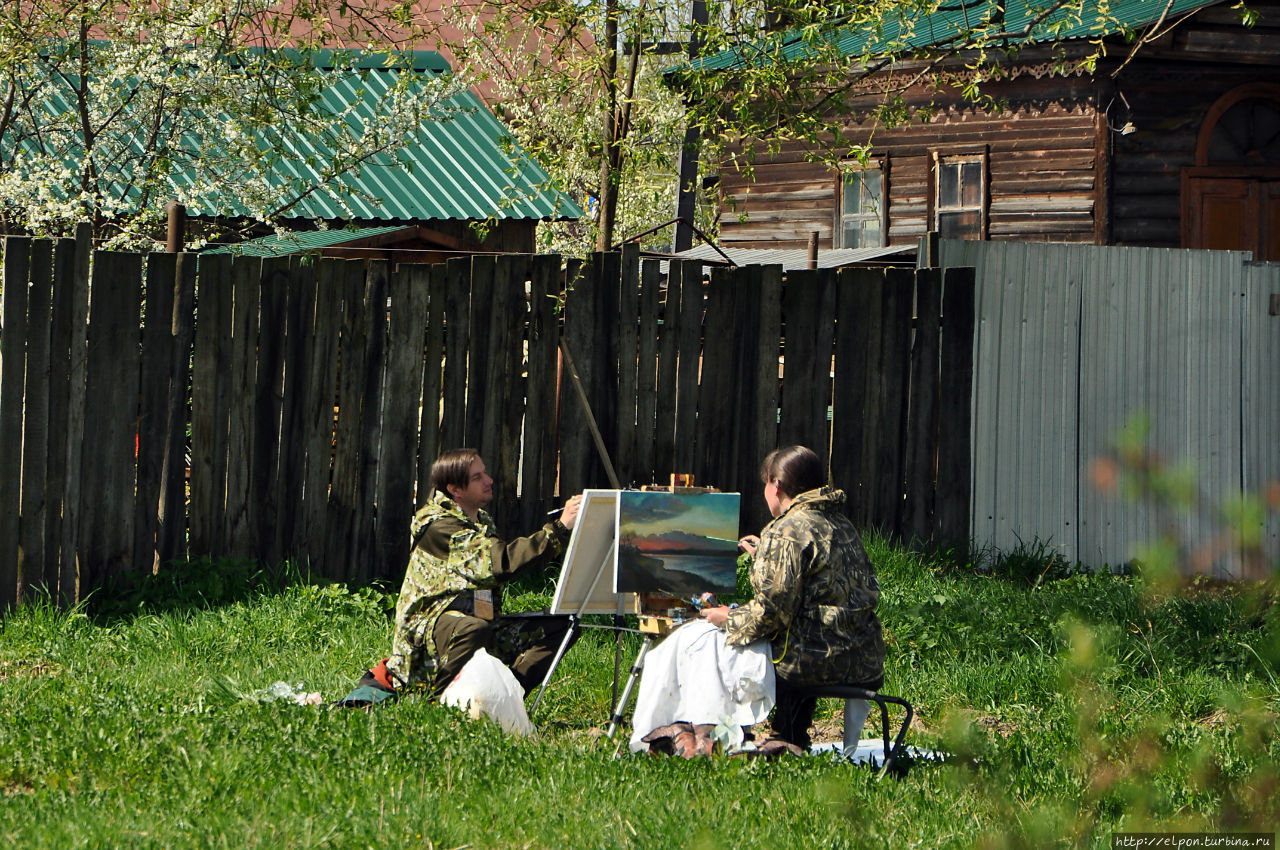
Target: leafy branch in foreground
1231, 531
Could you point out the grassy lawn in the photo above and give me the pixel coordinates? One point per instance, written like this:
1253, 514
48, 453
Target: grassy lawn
1073, 707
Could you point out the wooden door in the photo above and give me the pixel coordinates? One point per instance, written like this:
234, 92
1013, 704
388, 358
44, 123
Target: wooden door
1234, 214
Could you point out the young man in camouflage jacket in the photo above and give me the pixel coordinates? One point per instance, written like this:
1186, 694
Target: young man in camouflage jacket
449, 603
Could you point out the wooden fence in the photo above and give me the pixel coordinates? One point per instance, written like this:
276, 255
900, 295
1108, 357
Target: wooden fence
170, 406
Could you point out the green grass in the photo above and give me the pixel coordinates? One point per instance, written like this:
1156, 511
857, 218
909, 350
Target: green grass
1074, 705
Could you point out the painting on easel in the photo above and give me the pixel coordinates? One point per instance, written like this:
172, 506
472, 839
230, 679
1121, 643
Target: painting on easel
677, 543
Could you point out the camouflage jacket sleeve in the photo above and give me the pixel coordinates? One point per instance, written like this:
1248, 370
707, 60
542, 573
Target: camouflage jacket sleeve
475, 558
545, 544
776, 580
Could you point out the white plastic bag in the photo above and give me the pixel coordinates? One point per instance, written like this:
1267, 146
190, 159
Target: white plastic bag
485, 686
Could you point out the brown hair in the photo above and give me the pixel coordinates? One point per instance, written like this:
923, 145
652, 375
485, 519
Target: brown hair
795, 470
453, 468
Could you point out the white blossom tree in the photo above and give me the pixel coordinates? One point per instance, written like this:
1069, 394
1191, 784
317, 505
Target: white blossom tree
110, 110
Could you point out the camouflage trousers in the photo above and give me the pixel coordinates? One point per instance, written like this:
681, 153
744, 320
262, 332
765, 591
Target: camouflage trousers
525, 643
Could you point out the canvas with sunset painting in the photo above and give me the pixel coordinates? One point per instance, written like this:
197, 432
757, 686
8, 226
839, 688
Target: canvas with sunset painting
677, 543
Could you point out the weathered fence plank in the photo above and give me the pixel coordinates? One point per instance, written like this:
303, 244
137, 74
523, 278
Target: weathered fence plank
239, 525
716, 391
268, 406
510, 279
479, 350
738, 460
858, 296
429, 447
577, 446
890, 406
768, 395
664, 443
153, 413
224, 293
538, 474
628, 363
453, 423
208, 429
688, 337
955, 409
647, 373
299, 346
64, 255
406, 333
171, 534
498, 309
74, 332
807, 307
922, 416
107, 499
605, 293
318, 422
346, 460
35, 440
13, 357
362, 545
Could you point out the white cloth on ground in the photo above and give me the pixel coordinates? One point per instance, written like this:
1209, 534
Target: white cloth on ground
695, 677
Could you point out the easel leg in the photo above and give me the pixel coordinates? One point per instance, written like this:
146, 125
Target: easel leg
626, 692
574, 627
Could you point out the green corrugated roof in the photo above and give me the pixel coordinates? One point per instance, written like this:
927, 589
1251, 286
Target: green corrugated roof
949, 21
463, 165
306, 240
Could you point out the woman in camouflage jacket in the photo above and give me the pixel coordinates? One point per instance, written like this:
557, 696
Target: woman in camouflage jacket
815, 592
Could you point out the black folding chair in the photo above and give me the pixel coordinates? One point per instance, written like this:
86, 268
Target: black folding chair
850, 693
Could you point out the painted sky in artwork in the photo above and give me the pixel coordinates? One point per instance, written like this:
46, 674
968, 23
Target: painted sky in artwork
702, 521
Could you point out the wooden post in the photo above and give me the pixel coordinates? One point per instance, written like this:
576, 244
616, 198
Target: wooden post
177, 229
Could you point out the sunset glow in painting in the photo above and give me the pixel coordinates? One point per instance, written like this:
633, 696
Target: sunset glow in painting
677, 543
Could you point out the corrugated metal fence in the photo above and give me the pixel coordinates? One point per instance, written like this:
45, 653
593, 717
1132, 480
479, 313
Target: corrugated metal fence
153, 408
1074, 342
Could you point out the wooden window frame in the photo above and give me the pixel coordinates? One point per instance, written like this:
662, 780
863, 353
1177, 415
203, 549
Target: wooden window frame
983, 208
876, 164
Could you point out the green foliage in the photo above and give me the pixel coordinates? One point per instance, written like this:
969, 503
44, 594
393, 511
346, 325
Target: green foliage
1072, 709
115, 110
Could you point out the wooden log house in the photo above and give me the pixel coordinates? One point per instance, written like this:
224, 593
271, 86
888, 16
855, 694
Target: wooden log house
1174, 145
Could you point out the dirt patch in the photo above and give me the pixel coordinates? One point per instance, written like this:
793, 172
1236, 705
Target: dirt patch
987, 722
1217, 719
1003, 728
826, 731
1221, 718
14, 670
16, 789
